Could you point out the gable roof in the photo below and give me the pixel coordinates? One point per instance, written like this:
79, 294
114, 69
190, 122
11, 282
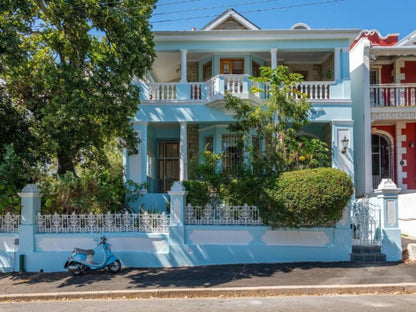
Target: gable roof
226, 16
408, 41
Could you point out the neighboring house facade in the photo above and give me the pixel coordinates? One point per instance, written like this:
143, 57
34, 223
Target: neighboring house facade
383, 75
182, 108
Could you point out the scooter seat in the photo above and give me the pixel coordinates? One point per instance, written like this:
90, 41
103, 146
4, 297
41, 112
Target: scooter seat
85, 251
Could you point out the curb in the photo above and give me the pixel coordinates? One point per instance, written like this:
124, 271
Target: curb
307, 290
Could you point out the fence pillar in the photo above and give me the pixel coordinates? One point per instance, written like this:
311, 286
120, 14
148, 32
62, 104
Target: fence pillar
30, 197
177, 209
387, 195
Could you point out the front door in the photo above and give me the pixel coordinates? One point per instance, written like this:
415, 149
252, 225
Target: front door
381, 159
168, 164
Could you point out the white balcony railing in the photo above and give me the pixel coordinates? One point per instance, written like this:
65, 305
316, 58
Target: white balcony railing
216, 87
393, 95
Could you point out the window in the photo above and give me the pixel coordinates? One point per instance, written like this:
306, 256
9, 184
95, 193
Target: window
233, 154
150, 165
256, 69
206, 71
232, 66
374, 76
209, 144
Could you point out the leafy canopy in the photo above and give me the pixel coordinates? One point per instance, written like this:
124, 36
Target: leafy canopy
71, 65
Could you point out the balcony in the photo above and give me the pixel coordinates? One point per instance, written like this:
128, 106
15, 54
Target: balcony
215, 89
393, 95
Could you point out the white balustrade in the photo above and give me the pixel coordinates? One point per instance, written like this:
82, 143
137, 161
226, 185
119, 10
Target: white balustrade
84, 223
234, 83
9, 223
165, 91
315, 90
222, 215
396, 95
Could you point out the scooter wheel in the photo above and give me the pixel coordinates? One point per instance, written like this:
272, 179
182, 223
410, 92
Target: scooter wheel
76, 269
115, 266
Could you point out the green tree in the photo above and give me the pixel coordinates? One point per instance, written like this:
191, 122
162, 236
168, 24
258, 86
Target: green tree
70, 65
277, 121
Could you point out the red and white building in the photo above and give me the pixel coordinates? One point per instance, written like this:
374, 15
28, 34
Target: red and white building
383, 75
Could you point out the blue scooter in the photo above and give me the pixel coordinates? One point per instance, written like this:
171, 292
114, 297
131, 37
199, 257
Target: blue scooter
82, 260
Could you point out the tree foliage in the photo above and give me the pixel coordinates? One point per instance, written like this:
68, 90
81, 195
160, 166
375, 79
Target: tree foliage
71, 66
276, 121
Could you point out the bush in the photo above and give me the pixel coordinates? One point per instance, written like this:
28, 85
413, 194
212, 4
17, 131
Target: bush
98, 191
198, 193
310, 197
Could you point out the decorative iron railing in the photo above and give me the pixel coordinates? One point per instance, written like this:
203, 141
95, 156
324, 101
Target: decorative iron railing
83, 223
366, 222
222, 215
396, 95
9, 223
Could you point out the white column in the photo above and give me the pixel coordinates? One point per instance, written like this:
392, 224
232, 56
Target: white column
138, 160
366, 122
273, 53
183, 65
183, 149
337, 64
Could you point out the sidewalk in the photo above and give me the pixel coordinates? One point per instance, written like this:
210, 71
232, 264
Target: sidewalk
215, 281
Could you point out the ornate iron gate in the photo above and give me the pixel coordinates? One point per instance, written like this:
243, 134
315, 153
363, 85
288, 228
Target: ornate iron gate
366, 223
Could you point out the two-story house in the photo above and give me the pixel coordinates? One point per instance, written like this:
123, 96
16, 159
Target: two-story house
182, 107
385, 94
383, 74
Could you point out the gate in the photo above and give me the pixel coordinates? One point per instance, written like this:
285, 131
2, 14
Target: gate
366, 223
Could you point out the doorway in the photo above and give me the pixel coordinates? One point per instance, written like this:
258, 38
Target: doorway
382, 160
168, 165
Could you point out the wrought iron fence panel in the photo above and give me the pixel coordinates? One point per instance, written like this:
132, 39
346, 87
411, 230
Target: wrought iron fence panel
222, 215
366, 223
9, 223
119, 222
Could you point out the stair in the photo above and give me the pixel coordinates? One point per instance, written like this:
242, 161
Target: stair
367, 254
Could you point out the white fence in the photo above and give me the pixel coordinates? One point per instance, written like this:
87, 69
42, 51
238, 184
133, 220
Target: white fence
9, 223
82, 223
222, 215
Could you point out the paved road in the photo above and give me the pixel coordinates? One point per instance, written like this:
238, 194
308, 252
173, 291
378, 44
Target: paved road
379, 303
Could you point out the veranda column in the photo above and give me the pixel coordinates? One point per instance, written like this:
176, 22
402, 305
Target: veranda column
337, 64
136, 170
183, 65
273, 54
183, 148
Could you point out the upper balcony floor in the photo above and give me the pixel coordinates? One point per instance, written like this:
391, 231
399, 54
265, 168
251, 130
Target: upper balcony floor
188, 76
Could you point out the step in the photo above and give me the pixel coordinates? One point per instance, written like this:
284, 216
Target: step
368, 258
366, 249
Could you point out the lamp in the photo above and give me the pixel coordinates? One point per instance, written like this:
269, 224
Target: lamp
345, 142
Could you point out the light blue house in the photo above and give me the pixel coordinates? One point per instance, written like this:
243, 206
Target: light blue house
182, 111
182, 108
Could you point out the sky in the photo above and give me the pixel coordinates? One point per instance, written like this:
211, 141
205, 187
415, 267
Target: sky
387, 16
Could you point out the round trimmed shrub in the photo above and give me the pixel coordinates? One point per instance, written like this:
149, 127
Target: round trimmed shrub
305, 198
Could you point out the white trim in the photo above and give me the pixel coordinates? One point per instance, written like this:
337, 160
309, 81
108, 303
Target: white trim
400, 151
226, 15
213, 127
235, 35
